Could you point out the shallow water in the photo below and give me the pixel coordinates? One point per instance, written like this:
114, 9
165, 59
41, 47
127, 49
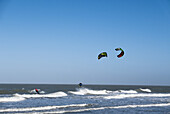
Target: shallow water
22, 98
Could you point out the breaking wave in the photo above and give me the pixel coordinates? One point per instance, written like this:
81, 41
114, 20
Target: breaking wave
144, 90
85, 91
126, 91
122, 96
20, 97
33, 91
56, 94
111, 107
11, 99
77, 110
42, 108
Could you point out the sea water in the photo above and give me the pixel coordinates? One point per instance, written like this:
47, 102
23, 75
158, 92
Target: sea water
99, 99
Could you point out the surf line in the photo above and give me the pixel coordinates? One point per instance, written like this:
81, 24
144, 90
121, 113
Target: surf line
41, 108
122, 96
115, 107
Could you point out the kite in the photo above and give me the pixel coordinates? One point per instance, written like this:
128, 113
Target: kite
103, 54
122, 52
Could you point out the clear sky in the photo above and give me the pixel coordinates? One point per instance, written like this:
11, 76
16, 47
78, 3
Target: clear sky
58, 41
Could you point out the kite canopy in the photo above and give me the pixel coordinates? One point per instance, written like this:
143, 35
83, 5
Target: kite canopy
103, 54
121, 54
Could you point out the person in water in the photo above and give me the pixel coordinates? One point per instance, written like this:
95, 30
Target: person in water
80, 84
37, 91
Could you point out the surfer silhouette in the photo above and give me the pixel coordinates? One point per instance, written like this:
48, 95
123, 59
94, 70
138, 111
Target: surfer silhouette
80, 84
37, 91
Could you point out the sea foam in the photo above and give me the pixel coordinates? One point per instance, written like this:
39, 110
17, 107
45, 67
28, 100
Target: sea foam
145, 90
111, 107
33, 91
122, 96
11, 99
85, 91
41, 108
56, 94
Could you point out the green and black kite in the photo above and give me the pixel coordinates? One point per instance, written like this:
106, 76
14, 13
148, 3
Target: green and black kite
103, 54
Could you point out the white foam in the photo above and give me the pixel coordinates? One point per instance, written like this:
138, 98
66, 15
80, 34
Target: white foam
121, 96
33, 91
114, 107
42, 92
127, 91
146, 90
11, 99
20, 97
41, 108
84, 91
56, 94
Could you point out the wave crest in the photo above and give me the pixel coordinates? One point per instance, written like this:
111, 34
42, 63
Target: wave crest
56, 94
11, 99
85, 91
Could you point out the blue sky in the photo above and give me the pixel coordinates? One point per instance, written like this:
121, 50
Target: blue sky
58, 41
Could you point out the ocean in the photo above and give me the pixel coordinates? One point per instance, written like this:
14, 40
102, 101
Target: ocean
89, 99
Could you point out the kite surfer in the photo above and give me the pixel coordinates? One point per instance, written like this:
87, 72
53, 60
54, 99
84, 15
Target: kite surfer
80, 84
37, 91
